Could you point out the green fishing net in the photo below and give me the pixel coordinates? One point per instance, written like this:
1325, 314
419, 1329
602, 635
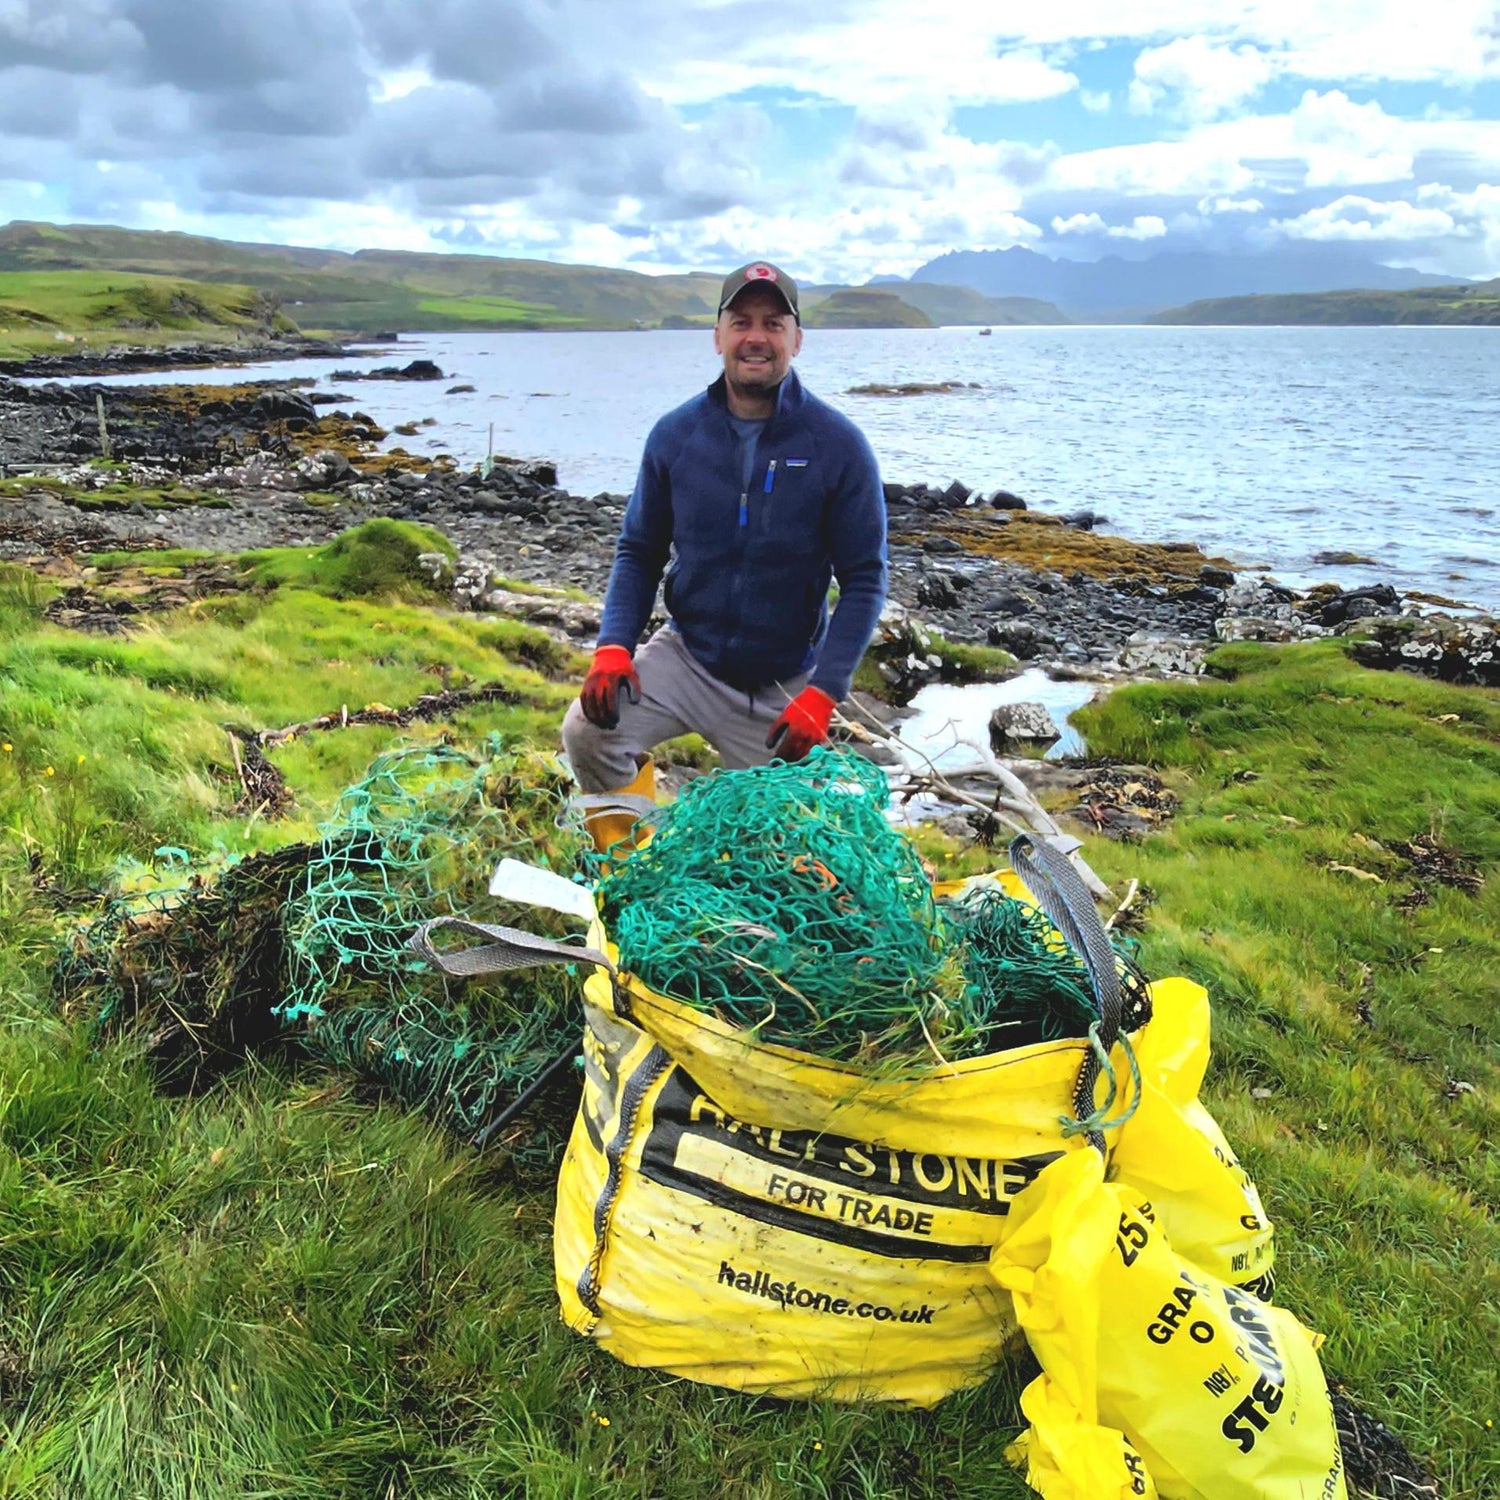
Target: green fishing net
417, 838
204, 961
781, 899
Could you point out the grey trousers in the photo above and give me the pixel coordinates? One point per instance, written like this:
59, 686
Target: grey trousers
677, 697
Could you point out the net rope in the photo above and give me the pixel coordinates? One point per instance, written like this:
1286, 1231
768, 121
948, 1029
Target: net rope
309, 944
782, 900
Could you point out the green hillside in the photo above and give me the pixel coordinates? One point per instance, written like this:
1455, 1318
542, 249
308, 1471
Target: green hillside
1475, 303
374, 289
863, 307
37, 307
398, 291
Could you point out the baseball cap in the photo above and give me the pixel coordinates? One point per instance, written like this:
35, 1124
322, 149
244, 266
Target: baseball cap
760, 273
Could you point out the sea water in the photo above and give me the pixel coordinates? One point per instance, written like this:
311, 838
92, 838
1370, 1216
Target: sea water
1266, 446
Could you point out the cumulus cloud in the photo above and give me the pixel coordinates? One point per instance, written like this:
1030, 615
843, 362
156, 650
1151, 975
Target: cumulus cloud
1355, 218
1198, 79
70, 36
1141, 227
1347, 143
1439, 217
1078, 224
38, 103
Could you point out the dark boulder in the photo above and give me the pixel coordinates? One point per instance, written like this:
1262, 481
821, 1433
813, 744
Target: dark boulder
1004, 500
284, 406
1359, 604
1024, 641
1010, 604
936, 591
544, 474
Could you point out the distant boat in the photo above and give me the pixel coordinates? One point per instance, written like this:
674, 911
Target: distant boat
984, 333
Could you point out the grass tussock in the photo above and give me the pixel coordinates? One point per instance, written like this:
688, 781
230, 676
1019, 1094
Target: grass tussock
282, 1288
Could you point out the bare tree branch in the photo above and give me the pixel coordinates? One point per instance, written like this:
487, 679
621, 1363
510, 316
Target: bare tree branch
1013, 804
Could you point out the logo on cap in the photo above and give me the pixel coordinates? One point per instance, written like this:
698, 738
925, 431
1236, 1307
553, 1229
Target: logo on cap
760, 273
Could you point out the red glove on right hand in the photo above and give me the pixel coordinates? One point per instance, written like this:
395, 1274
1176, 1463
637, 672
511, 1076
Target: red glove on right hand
802, 724
611, 671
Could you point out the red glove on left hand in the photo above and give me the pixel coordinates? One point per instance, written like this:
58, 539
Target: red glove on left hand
802, 724
612, 673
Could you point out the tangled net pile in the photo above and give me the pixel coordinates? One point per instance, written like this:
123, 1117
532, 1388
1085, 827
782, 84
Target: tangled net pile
780, 899
309, 943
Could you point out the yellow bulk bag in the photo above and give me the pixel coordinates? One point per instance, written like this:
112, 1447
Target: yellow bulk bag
1172, 1151
1219, 1394
759, 1218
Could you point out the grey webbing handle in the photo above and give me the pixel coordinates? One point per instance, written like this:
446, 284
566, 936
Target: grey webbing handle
1062, 895
505, 949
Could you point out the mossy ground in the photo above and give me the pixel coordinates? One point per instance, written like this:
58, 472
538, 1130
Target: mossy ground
281, 1288
115, 495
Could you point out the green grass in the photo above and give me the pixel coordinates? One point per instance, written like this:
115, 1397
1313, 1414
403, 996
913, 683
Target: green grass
543, 590
35, 306
282, 1288
490, 312
1383, 1178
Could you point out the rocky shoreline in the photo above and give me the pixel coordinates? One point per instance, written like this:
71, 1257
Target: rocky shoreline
226, 469
134, 359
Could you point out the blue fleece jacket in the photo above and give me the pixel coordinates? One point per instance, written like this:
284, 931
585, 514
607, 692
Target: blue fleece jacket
748, 570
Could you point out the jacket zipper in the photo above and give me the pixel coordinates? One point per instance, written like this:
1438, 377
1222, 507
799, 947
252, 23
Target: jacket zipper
765, 490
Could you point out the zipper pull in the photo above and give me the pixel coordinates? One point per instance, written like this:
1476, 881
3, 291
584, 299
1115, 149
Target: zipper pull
745, 508
770, 476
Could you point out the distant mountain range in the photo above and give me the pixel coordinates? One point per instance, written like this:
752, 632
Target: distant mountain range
1115, 289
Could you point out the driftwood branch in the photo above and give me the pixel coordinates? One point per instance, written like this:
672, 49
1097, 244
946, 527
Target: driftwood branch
428, 706
1125, 905
1013, 804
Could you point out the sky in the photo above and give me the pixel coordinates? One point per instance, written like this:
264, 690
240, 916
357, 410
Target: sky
843, 139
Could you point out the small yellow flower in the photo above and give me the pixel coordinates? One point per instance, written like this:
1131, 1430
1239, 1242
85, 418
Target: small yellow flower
817, 1447
6, 747
602, 1421
81, 759
49, 772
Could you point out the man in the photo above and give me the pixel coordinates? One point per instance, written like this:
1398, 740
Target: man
752, 497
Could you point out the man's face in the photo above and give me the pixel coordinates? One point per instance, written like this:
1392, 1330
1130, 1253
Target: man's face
758, 339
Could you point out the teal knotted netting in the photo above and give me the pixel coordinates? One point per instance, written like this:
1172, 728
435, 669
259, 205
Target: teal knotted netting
781, 899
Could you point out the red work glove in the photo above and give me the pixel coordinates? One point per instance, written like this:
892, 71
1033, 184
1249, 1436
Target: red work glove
612, 671
802, 724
